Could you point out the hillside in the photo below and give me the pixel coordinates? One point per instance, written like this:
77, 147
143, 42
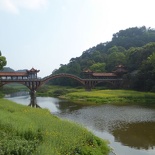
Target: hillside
134, 48
8, 69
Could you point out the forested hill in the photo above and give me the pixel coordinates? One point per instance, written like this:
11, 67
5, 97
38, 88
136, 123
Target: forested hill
133, 48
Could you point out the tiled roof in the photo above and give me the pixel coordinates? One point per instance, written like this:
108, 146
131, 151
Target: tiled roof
104, 74
13, 74
33, 70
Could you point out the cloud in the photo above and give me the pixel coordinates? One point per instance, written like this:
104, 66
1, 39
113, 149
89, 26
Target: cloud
14, 6
8, 5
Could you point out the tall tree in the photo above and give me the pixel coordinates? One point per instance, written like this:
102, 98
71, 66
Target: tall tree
135, 56
2, 64
114, 59
146, 74
3, 61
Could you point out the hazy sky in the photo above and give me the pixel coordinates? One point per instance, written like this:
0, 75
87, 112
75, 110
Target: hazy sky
46, 33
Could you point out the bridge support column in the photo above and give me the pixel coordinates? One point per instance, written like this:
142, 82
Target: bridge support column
90, 84
33, 102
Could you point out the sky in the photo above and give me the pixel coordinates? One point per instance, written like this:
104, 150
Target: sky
44, 34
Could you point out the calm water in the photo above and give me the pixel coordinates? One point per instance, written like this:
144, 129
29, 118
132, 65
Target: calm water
129, 129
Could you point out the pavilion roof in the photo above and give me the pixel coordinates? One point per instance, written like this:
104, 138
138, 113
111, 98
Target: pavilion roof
33, 70
119, 69
87, 71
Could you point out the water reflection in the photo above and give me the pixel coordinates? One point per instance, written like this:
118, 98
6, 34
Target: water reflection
69, 107
140, 135
131, 126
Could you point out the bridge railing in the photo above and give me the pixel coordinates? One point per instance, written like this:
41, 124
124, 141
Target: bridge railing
36, 79
61, 75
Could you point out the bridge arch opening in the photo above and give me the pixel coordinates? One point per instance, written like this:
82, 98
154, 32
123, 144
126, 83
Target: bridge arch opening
13, 87
105, 85
63, 79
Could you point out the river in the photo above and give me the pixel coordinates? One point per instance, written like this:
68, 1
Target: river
130, 129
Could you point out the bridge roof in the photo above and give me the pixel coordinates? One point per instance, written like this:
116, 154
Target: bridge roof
104, 74
13, 74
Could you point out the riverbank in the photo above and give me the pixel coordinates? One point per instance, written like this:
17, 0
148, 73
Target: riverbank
26, 130
111, 97
101, 96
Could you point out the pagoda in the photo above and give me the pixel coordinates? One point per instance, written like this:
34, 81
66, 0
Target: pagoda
120, 70
32, 73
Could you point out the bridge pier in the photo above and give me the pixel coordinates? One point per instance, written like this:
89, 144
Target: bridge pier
33, 101
89, 84
32, 94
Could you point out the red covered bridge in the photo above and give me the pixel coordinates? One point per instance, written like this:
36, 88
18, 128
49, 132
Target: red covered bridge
29, 78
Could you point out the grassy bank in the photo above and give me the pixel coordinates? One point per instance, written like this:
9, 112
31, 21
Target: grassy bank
97, 96
25, 131
111, 96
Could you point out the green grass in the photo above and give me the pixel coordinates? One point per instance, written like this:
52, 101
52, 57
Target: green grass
111, 96
25, 131
97, 96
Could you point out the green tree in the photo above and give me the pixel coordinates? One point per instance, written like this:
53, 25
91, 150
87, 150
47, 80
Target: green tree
2, 64
112, 49
135, 56
97, 56
115, 59
133, 37
74, 68
98, 67
3, 61
145, 78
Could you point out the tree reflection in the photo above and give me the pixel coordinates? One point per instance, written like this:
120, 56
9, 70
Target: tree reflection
68, 107
137, 135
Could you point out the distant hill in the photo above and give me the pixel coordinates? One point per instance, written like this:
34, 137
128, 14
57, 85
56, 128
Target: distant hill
8, 69
21, 70
131, 48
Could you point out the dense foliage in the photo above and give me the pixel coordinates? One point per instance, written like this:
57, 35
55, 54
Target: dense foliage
2, 61
134, 48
